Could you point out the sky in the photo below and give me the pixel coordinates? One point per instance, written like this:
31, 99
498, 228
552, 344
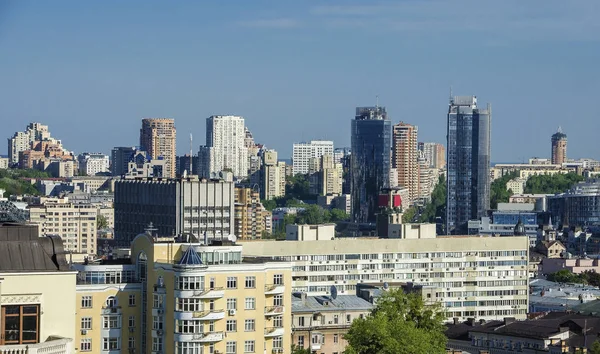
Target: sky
296, 70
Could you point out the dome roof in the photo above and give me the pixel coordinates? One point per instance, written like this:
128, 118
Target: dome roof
190, 257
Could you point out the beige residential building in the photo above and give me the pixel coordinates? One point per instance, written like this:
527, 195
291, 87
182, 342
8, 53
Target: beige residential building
74, 223
559, 147
251, 217
326, 175
516, 185
37, 293
272, 176
404, 158
158, 138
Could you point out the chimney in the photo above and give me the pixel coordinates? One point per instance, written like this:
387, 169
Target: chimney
470, 321
508, 320
455, 320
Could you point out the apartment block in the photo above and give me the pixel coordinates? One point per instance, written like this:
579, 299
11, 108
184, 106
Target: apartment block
481, 277
251, 217
272, 176
325, 176
404, 158
90, 164
225, 148
75, 224
303, 152
158, 138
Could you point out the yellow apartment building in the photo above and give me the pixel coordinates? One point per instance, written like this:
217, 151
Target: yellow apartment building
37, 293
251, 217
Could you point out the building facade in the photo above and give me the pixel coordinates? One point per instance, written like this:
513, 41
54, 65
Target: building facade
158, 139
371, 140
251, 217
119, 159
468, 175
303, 152
174, 206
580, 206
404, 158
272, 176
559, 147
91, 164
225, 138
434, 153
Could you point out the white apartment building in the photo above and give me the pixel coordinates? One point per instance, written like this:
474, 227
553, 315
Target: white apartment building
21, 141
225, 138
303, 152
91, 164
74, 223
481, 277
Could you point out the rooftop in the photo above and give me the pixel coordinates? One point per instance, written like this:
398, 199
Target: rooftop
303, 303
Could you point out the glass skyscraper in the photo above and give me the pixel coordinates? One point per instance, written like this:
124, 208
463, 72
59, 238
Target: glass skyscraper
468, 179
370, 160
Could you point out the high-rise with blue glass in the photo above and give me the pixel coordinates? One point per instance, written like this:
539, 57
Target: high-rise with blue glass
468, 179
370, 160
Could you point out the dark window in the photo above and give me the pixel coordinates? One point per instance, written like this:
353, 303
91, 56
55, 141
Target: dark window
20, 324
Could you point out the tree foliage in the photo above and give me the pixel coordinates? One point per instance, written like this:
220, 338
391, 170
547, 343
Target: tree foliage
269, 204
566, 276
594, 350
498, 191
14, 181
300, 350
551, 184
437, 207
101, 221
409, 215
400, 324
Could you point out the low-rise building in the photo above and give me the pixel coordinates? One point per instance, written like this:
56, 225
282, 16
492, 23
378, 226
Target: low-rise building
573, 265
319, 323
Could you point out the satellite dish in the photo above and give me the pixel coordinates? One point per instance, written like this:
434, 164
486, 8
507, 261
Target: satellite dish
333, 292
386, 286
232, 238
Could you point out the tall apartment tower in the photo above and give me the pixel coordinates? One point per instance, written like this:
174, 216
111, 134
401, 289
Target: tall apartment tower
434, 153
469, 149
559, 147
371, 143
303, 152
158, 137
404, 158
225, 145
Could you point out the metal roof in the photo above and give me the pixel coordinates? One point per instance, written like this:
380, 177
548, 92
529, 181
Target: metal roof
326, 303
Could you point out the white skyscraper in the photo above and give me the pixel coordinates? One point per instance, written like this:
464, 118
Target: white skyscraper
225, 137
303, 152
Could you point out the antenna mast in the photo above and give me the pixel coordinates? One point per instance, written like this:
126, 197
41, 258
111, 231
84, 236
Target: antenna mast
191, 155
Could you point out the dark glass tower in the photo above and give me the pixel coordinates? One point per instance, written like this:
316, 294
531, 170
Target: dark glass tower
468, 179
370, 160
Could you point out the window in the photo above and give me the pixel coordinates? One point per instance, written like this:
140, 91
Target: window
188, 305
249, 326
278, 279
157, 322
131, 343
250, 282
111, 322
301, 341
157, 344
86, 302
301, 321
86, 323
211, 283
335, 338
111, 343
189, 326
231, 348
85, 345
131, 321
348, 318
249, 346
131, 299
231, 326
250, 303
111, 301
278, 300
278, 342
157, 302
278, 321
190, 283
336, 319
189, 348
232, 284
232, 304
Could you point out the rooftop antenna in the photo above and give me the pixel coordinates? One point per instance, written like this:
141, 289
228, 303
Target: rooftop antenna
377, 102
451, 99
559, 129
191, 155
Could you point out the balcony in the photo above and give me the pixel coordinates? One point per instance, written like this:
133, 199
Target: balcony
209, 315
213, 293
274, 332
274, 289
208, 337
114, 310
274, 310
54, 345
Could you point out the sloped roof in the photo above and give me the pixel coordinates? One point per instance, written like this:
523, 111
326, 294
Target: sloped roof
190, 257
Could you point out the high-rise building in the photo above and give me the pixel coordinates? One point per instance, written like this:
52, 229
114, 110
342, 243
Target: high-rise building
303, 152
91, 164
559, 147
225, 139
251, 217
404, 158
22, 141
175, 207
272, 176
371, 143
434, 153
325, 176
120, 157
469, 149
158, 138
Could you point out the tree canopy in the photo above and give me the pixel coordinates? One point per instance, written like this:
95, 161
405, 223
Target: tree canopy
400, 324
437, 207
551, 184
498, 191
566, 276
14, 181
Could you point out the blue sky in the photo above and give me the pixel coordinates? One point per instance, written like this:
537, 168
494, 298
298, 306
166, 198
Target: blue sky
296, 69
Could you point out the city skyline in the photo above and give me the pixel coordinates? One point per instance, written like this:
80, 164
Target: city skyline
70, 70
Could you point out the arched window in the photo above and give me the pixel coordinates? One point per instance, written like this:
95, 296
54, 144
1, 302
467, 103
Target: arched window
142, 266
111, 301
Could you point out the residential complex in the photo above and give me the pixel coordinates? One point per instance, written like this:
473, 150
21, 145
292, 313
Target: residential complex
175, 206
467, 274
251, 217
559, 147
325, 176
468, 175
225, 149
371, 140
272, 176
405, 158
303, 152
434, 153
90, 164
158, 139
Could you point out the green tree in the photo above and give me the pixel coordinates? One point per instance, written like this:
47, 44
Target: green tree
338, 215
437, 207
101, 221
400, 324
269, 204
409, 215
498, 191
299, 350
566, 276
18, 182
550, 184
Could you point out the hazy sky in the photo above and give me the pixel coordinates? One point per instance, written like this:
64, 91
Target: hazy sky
296, 70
